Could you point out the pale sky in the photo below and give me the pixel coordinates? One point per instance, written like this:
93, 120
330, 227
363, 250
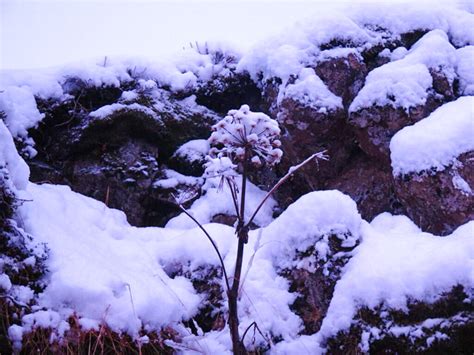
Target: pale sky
50, 33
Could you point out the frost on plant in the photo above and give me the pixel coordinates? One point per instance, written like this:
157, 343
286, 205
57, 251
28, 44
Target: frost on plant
244, 132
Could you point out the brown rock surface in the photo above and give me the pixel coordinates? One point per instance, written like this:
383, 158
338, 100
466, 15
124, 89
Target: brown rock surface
435, 201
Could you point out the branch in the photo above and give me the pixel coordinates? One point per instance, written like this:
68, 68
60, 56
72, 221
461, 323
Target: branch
291, 171
212, 242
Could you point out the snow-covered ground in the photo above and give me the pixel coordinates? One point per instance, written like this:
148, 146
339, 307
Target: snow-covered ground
107, 271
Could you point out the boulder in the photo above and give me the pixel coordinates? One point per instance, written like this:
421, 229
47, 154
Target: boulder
344, 76
375, 126
439, 201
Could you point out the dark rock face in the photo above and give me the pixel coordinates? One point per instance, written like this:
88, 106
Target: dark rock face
230, 92
439, 202
118, 158
370, 185
308, 131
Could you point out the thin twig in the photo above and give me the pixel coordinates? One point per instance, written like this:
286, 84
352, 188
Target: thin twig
234, 197
291, 171
212, 242
255, 326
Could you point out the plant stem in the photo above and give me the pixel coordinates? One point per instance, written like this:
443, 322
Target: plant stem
233, 295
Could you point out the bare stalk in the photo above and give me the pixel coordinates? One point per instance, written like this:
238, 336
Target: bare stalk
212, 242
233, 294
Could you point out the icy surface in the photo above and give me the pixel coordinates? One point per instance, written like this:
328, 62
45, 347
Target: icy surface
436, 141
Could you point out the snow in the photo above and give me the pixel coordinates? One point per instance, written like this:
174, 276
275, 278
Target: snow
310, 90
297, 47
312, 216
465, 69
5, 283
436, 141
194, 150
19, 105
18, 170
405, 82
174, 179
217, 199
462, 185
396, 262
104, 269
107, 110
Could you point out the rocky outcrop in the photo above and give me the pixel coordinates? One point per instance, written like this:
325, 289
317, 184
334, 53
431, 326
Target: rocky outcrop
444, 326
118, 157
439, 201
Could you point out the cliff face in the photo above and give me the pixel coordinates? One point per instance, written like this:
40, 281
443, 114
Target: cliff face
391, 108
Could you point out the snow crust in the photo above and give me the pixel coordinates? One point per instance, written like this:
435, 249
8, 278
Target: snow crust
436, 141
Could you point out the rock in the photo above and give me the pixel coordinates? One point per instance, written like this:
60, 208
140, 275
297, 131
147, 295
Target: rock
307, 131
369, 184
375, 126
440, 201
315, 284
225, 93
448, 328
118, 158
344, 76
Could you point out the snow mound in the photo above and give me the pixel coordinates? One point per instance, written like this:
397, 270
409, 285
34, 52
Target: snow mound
104, 269
193, 151
396, 262
405, 82
310, 90
436, 141
18, 171
360, 27
305, 222
465, 70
